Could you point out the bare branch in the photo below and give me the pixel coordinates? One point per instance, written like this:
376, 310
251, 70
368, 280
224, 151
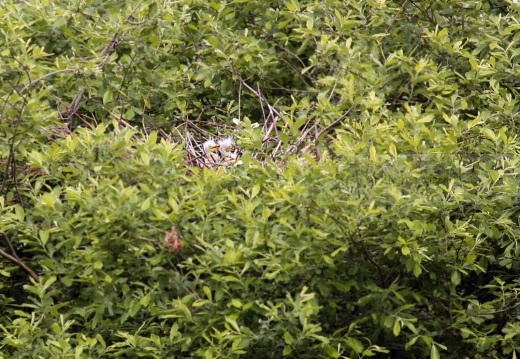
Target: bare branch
133, 11
44, 77
392, 23
263, 99
14, 258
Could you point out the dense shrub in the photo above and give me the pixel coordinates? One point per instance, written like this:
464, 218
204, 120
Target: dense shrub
375, 212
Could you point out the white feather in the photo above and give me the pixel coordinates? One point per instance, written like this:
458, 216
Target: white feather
210, 146
227, 148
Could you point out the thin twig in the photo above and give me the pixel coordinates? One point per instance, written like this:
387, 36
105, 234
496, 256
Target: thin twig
262, 98
11, 161
268, 131
333, 88
317, 144
334, 123
74, 106
16, 260
392, 23
239, 100
44, 77
134, 10
359, 243
261, 106
392, 106
119, 118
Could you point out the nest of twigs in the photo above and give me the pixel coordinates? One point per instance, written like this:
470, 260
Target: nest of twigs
272, 148
212, 152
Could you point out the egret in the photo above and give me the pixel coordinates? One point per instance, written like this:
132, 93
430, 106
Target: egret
229, 152
210, 148
228, 149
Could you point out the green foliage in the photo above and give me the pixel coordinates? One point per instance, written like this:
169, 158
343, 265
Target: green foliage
376, 212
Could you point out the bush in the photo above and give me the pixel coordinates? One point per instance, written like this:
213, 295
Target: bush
375, 212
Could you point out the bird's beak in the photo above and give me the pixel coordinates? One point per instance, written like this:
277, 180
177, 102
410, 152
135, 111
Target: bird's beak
214, 148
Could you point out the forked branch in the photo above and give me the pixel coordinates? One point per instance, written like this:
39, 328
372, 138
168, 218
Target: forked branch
16, 260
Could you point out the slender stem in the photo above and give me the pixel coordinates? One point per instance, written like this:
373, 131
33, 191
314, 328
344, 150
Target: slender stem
393, 20
44, 77
14, 258
359, 243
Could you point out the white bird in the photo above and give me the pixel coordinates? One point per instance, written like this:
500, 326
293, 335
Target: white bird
228, 149
210, 148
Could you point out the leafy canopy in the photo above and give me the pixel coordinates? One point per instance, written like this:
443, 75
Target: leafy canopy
375, 212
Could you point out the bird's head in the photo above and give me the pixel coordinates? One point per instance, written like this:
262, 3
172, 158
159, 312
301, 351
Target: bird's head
227, 147
210, 146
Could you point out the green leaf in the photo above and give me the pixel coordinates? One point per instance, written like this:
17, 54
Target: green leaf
19, 212
207, 291
145, 158
49, 199
328, 260
355, 344
108, 96
434, 352
455, 277
101, 341
368, 353
426, 119
288, 338
146, 204
236, 303
495, 175
231, 319
246, 159
48, 283
284, 24
44, 236
417, 270
474, 63
287, 350
152, 139
291, 6
255, 190
145, 300
373, 155
309, 159
134, 309
397, 327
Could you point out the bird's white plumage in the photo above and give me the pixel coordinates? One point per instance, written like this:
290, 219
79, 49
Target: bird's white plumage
223, 152
227, 142
227, 148
210, 146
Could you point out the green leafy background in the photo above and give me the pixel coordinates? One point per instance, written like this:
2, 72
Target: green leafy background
376, 212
